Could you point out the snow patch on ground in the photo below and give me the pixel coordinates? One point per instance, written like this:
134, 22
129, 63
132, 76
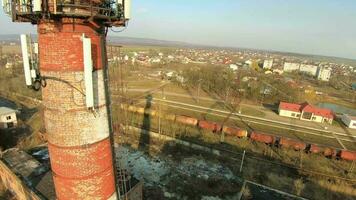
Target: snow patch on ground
157, 171
142, 167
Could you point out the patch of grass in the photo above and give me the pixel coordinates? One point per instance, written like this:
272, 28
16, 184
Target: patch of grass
349, 145
34, 140
276, 176
194, 187
288, 156
3, 194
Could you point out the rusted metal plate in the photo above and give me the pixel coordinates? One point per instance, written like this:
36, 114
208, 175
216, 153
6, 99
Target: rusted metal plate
261, 137
348, 155
187, 120
290, 143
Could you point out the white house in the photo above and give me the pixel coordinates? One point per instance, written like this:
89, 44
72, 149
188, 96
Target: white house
234, 67
349, 121
7, 117
305, 112
267, 64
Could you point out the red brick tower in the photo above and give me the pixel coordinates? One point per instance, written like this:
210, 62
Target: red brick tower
79, 139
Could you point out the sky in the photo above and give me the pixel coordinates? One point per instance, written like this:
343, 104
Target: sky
321, 27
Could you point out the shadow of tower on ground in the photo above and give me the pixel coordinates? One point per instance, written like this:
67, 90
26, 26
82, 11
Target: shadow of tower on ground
144, 142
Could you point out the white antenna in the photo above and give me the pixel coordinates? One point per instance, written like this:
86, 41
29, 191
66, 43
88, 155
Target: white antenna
35, 48
88, 73
127, 9
37, 5
6, 6
26, 59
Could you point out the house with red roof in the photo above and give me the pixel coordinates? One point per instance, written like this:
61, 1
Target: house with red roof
305, 111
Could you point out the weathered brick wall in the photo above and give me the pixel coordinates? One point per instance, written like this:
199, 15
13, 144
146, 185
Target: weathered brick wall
78, 139
15, 185
63, 47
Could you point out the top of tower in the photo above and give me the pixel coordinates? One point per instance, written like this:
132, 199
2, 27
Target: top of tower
104, 12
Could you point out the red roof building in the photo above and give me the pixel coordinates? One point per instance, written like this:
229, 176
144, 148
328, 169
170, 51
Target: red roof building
305, 111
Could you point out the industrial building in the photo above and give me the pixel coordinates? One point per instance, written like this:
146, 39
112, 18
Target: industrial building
349, 121
8, 117
306, 112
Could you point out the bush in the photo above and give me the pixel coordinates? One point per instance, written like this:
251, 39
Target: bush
299, 186
247, 194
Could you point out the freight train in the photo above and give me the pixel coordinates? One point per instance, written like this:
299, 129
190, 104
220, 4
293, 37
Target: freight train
281, 142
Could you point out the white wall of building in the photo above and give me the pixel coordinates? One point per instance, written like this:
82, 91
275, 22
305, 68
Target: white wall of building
316, 118
309, 69
288, 67
267, 64
287, 113
350, 123
8, 118
324, 74
297, 115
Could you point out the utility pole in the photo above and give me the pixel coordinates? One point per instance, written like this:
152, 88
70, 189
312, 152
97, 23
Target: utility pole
301, 159
242, 161
199, 87
352, 167
160, 111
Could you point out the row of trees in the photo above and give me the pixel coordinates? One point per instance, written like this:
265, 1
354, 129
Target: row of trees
242, 84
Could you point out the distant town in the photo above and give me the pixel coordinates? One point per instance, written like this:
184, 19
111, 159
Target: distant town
267, 103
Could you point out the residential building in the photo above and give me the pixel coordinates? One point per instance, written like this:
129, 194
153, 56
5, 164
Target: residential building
349, 121
324, 74
7, 117
289, 67
267, 64
305, 111
309, 69
233, 67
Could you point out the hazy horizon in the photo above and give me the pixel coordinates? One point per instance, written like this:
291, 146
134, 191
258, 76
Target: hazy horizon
320, 27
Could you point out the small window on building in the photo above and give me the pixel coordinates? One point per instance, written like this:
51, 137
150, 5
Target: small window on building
314, 118
293, 114
354, 124
298, 115
8, 117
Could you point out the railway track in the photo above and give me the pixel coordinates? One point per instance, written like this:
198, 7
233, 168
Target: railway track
298, 131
